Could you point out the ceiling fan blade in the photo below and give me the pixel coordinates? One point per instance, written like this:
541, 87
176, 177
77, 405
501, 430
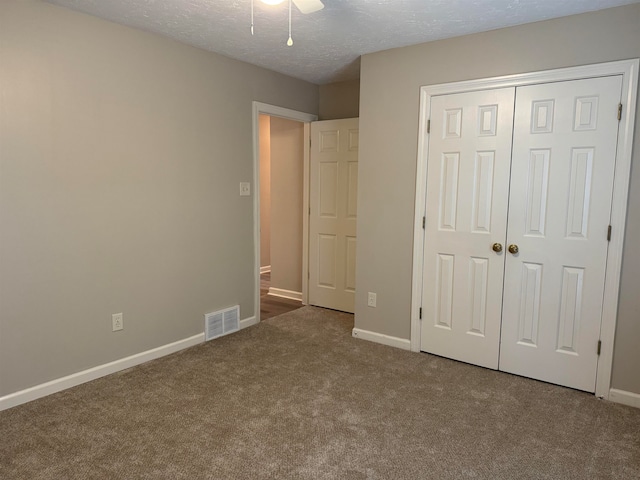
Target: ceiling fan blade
308, 6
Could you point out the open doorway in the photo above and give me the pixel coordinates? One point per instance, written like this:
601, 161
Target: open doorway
281, 214
283, 271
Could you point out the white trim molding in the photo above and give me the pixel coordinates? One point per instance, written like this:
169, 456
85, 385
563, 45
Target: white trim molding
628, 69
275, 111
265, 269
75, 379
281, 292
625, 398
390, 341
248, 322
59, 384
306, 172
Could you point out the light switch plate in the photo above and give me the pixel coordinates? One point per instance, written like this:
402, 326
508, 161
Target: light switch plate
245, 189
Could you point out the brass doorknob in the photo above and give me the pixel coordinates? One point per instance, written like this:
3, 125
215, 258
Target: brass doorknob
513, 248
496, 247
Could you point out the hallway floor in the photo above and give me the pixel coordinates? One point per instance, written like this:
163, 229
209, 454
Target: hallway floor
270, 305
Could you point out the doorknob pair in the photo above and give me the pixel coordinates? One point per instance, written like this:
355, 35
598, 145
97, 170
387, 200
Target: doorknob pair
497, 247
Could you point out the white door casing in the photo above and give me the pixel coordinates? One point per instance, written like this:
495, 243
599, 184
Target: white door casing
467, 194
628, 72
563, 163
333, 183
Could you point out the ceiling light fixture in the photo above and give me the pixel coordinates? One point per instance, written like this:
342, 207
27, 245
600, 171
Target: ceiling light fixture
305, 6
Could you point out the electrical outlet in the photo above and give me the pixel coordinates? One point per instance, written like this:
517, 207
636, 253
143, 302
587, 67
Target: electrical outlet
117, 322
371, 299
245, 189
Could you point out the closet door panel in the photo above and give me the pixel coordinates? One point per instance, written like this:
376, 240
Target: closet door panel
564, 148
467, 193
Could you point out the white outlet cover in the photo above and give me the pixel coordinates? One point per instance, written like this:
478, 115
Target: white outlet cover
371, 299
245, 189
117, 322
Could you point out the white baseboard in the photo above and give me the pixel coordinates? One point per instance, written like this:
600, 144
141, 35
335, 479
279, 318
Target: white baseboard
247, 322
290, 294
402, 343
75, 379
265, 269
626, 398
59, 384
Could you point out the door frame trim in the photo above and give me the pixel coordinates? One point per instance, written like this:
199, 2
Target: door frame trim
258, 109
629, 71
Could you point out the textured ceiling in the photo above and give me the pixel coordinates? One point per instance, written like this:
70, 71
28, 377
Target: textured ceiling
328, 43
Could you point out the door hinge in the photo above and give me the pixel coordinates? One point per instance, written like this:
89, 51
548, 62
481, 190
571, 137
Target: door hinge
420, 313
424, 222
428, 126
599, 346
619, 111
609, 234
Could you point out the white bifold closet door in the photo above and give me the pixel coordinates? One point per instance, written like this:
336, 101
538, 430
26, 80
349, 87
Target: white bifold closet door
518, 208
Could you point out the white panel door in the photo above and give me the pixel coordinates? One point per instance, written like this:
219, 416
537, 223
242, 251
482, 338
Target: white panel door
564, 150
467, 194
332, 216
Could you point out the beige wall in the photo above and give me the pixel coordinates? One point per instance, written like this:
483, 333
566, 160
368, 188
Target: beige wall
339, 100
389, 101
265, 190
287, 163
121, 154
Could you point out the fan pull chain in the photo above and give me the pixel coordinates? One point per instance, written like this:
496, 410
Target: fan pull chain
290, 41
251, 17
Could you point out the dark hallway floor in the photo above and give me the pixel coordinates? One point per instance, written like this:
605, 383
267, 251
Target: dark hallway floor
270, 305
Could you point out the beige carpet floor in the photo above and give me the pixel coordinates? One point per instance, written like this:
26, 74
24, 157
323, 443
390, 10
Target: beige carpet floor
296, 397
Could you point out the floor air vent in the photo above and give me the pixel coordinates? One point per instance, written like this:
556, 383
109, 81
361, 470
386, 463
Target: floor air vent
222, 322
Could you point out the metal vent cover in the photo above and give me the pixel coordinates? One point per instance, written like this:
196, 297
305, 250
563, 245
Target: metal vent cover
221, 322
